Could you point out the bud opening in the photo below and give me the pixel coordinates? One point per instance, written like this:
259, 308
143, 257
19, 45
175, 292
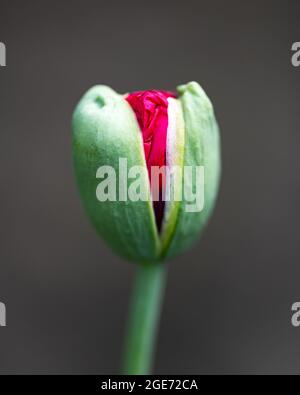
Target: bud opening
151, 110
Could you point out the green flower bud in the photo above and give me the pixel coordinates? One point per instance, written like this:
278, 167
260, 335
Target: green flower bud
106, 131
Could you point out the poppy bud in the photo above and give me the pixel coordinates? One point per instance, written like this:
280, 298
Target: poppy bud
119, 139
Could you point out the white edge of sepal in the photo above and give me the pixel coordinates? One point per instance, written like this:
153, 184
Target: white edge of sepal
174, 163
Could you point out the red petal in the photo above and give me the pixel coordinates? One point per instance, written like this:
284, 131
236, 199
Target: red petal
151, 110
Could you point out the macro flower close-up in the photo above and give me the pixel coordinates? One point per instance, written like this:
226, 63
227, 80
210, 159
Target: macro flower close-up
170, 144
150, 202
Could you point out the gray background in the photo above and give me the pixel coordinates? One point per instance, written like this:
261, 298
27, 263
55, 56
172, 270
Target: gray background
228, 301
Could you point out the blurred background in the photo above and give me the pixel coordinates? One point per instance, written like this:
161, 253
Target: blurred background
228, 300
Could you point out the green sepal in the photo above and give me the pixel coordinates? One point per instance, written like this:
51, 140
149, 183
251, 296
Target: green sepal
202, 148
105, 129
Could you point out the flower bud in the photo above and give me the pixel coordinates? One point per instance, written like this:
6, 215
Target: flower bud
147, 166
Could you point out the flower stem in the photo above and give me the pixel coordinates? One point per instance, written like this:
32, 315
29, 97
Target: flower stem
143, 318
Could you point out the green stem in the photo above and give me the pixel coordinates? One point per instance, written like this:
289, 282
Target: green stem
143, 318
